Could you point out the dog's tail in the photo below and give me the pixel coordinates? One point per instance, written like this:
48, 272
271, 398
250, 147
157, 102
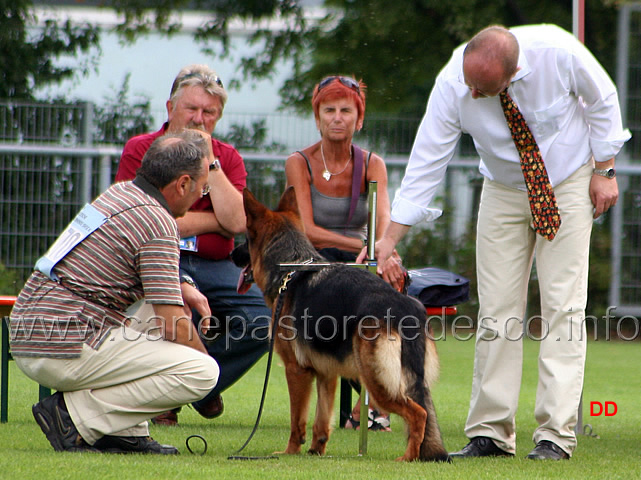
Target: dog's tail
419, 377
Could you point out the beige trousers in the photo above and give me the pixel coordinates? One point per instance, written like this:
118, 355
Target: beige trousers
132, 377
506, 247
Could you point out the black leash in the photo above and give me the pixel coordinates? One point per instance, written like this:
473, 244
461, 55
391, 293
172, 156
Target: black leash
202, 439
279, 306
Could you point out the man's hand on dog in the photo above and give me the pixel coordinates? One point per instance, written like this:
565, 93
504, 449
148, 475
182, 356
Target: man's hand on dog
393, 272
389, 265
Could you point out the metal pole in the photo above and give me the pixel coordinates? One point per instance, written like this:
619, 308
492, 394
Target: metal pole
578, 28
616, 225
87, 163
371, 227
104, 179
4, 370
371, 266
578, 19
362, 439
578, 428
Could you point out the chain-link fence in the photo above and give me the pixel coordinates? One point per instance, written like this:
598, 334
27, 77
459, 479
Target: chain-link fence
54, 158
44, 186
625, 290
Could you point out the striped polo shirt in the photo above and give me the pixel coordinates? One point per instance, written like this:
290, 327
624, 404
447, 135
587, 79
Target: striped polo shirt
133, 254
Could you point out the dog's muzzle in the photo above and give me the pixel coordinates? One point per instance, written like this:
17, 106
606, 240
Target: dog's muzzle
241, 258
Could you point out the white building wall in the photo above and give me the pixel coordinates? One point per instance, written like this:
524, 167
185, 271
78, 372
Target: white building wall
154, 60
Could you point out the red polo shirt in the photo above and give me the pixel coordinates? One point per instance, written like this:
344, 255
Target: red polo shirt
210, 245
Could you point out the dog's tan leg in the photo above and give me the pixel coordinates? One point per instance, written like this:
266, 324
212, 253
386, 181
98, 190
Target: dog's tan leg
299, 383
372, 363
326, 390
414, 415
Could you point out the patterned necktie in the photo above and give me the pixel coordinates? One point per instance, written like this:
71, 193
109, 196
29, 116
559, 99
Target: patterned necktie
545, 211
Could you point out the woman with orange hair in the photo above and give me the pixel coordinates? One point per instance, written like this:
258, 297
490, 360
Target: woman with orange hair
323, 176
331, 179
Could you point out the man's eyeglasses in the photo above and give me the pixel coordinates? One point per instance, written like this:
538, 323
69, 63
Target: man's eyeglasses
206, 188
347, 81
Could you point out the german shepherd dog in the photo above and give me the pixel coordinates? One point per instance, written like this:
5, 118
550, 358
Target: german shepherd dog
340, 320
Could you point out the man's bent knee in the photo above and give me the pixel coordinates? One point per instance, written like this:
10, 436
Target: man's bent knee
203, 378
211, 372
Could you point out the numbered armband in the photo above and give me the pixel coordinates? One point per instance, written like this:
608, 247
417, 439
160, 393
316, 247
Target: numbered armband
86, 222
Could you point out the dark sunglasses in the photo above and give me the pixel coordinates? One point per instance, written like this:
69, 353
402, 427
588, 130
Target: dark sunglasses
347, 81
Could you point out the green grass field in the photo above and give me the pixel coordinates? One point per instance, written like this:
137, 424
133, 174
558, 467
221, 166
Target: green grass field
613, 374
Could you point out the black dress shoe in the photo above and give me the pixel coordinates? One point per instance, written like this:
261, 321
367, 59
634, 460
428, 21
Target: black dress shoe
546, 450
481, 447
55, 422
212, 409
112, 444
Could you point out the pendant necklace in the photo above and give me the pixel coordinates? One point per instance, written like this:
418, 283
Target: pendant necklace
327, 175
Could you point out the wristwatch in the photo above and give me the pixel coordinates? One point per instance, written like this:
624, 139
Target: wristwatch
215, 165
607, 173
184, 278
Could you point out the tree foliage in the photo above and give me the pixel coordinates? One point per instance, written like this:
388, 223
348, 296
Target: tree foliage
120, 117
397, 48
144, 16
27, 56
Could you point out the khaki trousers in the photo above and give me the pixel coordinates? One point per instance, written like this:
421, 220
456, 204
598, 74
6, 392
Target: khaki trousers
132, 377
506, 247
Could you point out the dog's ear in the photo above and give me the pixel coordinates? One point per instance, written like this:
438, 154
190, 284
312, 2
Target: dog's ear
288, 202
254, 210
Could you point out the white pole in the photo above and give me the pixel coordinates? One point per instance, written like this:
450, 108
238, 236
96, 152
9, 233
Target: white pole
578, 29
578, 19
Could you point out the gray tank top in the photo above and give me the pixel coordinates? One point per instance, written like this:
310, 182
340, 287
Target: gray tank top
331, 213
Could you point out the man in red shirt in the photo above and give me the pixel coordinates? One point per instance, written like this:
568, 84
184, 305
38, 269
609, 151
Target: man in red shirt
240, 322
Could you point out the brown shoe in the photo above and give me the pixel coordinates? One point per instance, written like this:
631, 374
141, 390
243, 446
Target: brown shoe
167, 419
212, 409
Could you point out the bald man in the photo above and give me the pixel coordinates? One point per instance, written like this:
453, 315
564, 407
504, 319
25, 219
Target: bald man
571, 108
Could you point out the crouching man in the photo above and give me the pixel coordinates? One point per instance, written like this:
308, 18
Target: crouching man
69, 327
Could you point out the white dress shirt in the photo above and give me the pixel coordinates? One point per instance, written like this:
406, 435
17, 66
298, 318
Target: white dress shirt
566, 97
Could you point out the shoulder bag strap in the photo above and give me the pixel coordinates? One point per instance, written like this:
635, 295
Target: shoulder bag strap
356, 182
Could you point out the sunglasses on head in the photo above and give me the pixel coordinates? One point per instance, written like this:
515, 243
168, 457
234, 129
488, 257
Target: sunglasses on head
207, 78
210, 78
347, 81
